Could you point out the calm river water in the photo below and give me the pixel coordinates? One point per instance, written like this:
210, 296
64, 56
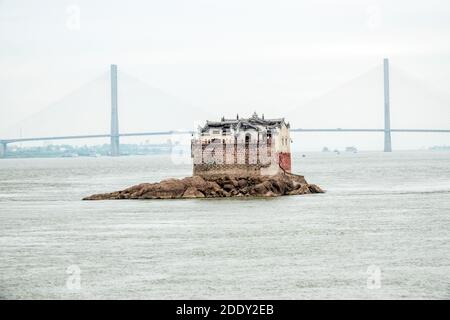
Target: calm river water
381, 231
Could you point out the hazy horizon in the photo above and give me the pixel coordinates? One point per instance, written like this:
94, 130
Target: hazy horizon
307, 62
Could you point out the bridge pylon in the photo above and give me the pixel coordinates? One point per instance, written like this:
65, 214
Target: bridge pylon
115, 151
387, 112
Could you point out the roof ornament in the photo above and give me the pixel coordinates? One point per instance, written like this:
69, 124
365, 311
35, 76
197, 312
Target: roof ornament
255, 115
237, 116
263, 116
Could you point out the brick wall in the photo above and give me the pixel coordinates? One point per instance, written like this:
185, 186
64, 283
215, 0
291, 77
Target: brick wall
231, 153
285, 161
237, 158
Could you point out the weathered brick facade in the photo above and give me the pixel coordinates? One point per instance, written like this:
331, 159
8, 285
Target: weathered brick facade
242, 147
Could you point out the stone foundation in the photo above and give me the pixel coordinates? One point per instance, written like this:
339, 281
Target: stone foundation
228, 169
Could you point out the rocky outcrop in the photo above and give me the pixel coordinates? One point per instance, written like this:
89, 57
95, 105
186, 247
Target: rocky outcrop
216, 186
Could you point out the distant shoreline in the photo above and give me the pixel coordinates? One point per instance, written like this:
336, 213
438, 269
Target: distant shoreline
42, 152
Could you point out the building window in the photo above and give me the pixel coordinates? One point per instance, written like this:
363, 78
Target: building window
247, 148
269, 143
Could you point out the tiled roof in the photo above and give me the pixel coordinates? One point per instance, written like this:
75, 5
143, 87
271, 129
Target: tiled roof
254, 122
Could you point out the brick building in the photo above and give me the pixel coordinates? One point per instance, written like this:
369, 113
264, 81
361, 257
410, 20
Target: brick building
242, 146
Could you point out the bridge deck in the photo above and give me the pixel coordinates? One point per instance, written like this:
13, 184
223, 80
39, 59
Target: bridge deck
160, 133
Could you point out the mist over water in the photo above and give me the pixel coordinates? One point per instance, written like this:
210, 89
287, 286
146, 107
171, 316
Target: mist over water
384, 210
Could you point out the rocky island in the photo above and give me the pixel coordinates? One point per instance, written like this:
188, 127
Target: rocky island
241, 157
215, 187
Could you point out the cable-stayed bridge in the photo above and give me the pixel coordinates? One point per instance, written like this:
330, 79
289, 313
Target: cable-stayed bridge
114, 134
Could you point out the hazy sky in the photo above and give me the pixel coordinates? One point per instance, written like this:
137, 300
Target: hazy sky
225, 56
